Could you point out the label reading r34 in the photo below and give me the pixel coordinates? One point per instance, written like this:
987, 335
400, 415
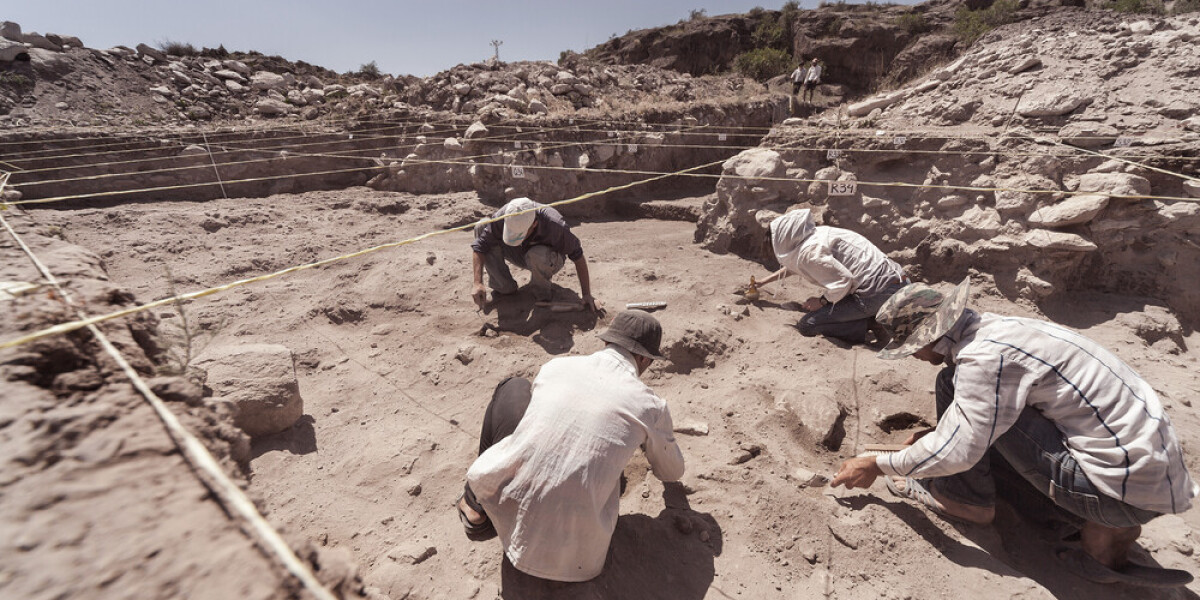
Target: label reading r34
843, 188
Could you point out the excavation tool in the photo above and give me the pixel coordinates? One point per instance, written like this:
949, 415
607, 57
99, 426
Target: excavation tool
561, 306
752, 292
646, 306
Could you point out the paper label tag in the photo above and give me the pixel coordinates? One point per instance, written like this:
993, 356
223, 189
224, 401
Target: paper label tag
633, 147
833, 154
1123, 142
518, 172
722, 137
612, 134
516, 144
899, 140
843, 188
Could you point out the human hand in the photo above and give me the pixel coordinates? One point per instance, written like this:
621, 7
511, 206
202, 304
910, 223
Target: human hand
812, 304
479, 295
590, 303
916, 435
858, 472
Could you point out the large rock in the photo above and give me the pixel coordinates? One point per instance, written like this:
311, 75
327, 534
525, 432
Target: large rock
10, 30
270, 107
1050, 101
144, 50
1044, 239
10, 51
38, 40
260, 381
1072, 211
818, 411
1114, 184
1088, 134
756, 162
1192, 187
266, 80
476, 130
865, 107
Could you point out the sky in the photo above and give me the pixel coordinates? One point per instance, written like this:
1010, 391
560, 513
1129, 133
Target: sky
402, 37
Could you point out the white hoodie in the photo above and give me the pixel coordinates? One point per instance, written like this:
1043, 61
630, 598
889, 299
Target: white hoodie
839, 260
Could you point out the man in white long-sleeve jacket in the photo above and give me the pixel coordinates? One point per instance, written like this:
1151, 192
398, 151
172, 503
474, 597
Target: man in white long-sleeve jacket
1022, 395
551, 488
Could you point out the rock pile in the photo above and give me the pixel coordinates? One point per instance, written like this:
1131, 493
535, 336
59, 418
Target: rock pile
1039, 203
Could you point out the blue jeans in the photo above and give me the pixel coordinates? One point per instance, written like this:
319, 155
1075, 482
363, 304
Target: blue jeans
1034, 450
848, 319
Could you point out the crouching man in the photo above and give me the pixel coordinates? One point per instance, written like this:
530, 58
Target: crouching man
551, 488
1040, 401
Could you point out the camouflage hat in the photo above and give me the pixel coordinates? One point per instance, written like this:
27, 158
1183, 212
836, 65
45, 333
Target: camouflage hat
918, 315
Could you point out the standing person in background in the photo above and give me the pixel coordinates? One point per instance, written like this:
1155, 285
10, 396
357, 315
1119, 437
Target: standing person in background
857, 277
797, 78
811, 80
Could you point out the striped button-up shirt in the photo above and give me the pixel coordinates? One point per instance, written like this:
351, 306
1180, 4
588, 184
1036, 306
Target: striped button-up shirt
1111, 420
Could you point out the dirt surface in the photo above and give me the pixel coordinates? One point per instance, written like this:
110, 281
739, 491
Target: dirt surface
395, 367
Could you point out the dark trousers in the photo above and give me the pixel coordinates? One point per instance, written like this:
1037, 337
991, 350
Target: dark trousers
504, 412
849, 319
1031, 459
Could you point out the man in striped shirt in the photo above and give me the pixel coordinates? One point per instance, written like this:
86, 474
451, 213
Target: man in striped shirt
1075, 422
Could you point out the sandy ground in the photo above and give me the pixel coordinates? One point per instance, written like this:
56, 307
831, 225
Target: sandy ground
396, 366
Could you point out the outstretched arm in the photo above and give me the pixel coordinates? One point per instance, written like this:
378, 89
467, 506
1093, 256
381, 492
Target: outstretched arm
585, 284
478, 292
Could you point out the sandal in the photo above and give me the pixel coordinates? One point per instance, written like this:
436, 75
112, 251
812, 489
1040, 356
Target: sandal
1078, 562
475, 531
914, 489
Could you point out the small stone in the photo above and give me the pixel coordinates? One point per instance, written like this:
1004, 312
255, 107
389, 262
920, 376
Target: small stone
808, 478
413, 553
414, 489
696, 428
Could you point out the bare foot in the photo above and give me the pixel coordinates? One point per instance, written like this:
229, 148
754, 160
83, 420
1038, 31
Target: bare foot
979, 515
473, 517
1108, 545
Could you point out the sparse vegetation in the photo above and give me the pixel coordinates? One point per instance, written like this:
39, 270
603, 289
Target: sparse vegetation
185, 339
696, 14
218, 52
1185, 6
10, 79
969, 24
762, 64
178, 48
1153, 7
913, 22
369, 70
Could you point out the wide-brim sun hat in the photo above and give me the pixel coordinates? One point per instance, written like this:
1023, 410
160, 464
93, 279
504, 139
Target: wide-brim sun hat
918, 315
636, 331
516, 227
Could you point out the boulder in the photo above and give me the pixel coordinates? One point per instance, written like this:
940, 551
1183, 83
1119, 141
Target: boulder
10, 51
1072, 211
1044, 239
1192, 187
1025, 64
230, 74
866, 106
144, 50
10, 30
266, 80
476, 130
260, 381
270, 107
817, 410
38, 40
537, 107
363, 89
1086, 134
981, 220
755, 162
238, 66
1050, 100
1114, 184
234, 86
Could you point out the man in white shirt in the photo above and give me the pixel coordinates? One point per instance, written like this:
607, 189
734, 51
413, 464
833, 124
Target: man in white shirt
1047, 409
551, 488
798, 79
811, 80
856, 276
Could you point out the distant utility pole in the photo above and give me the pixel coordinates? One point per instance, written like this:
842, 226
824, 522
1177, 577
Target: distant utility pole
496, 44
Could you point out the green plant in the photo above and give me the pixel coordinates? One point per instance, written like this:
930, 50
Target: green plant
762, 64
8, 78
913, 22
185, 340
1137, 6
770, 33
1185, 6
969, 24
369, 70
696, 14
177, 48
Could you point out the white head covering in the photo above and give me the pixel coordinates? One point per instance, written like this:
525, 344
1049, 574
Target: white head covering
787, 233
517, 227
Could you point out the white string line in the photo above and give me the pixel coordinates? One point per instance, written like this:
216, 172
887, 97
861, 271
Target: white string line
78, 324
216, 171
207, 469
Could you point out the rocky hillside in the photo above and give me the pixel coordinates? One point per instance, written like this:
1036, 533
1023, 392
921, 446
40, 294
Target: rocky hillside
1054, 156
